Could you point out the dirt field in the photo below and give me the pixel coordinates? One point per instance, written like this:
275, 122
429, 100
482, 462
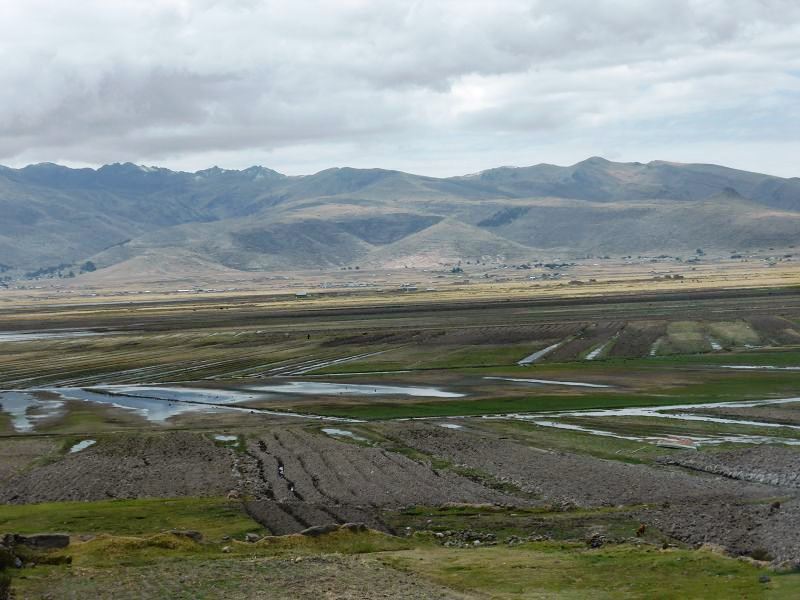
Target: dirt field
761, 464
566, 478
742, 528
128, 466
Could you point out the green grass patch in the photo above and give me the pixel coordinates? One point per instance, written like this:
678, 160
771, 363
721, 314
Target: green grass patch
550, 569
214, 517
565, 525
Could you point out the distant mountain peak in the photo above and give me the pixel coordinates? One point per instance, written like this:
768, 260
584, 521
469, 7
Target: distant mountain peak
595, 160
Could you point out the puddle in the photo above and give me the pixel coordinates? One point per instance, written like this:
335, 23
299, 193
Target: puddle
532, 358
551, 382
333, 432
25, 409
450, 426
354, 389
82, 446
225, 438
30, 336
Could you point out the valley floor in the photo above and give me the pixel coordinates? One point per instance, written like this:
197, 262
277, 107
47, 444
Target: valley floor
236, 449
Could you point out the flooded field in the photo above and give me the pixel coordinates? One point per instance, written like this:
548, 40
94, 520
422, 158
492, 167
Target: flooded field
25, 409
674, 413
152, 408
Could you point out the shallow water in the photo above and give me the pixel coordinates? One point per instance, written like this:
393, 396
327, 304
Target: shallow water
551, 420
450, 426
203, 396
25, 408
82, 446
551, 382
354, 389
225, 438
153, 409
332, 431
532, 358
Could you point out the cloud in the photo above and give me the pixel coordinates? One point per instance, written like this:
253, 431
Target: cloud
438, 87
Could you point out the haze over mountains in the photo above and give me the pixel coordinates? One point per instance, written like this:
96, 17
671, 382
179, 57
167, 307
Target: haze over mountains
127, 216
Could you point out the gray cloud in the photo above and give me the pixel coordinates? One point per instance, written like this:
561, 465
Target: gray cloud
438, 87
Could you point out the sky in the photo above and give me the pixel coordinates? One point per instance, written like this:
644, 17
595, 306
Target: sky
431, 87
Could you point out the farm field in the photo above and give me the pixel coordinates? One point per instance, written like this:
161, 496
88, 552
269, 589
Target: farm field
540, 446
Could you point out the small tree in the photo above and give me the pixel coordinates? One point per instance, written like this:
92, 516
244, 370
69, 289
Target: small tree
88, 267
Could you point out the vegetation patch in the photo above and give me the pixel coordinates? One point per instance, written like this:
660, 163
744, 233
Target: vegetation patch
214, 517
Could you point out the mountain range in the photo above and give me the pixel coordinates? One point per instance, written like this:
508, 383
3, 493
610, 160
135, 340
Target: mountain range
56, 219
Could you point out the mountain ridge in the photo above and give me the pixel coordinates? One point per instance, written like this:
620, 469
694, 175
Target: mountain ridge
259, 219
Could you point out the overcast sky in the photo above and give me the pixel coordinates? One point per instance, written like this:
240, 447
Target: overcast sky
432, 87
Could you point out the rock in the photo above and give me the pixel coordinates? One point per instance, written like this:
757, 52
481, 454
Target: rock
764, 579
596, 541
252, 537
714, 548
226, 549
46, 541
787, 566
354, 527
233, 495
188, 533
318, 530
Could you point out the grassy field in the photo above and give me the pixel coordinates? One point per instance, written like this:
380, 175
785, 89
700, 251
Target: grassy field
571, 571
